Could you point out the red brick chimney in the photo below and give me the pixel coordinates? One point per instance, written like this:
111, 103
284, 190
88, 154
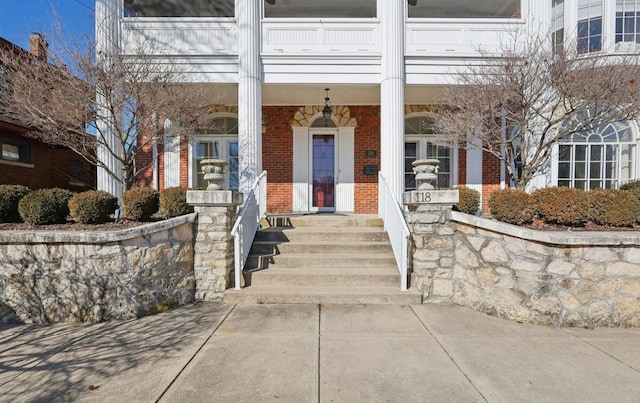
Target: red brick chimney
38, 45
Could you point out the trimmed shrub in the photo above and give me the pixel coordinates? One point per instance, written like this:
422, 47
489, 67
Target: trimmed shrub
45, 206
561, 206
92, 206
635, 195
630, 185
10, 196
173, 202
469, 201
512, 206
612, 207
140, 203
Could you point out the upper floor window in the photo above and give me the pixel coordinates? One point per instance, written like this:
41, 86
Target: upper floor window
557, 33
320, 9
178, 8
464, 9
628, 25
589, 26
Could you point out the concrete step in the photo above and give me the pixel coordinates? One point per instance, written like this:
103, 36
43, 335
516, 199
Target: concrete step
370, 277
325, 220
265, 294
329, 261
326, 247
313, 234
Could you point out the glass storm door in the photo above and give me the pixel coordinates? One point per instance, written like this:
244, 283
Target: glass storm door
323, 172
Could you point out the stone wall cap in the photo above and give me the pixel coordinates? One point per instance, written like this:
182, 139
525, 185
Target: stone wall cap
575, 238
431, 196
214, 197
93, 237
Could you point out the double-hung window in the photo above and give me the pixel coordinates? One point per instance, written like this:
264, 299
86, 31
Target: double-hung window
220, 141
14, 151
589, 26
419, 144
627, 25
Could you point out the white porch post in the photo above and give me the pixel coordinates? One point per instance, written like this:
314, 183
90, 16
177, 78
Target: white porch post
249, 93
107, 15
392, 95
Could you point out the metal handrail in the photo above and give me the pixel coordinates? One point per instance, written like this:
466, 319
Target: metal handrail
253, 209
396, 227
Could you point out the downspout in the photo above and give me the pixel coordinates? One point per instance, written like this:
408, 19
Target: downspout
503, 134
154, 155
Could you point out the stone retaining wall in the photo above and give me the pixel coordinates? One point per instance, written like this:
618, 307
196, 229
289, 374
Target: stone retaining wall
584, 279
48, 276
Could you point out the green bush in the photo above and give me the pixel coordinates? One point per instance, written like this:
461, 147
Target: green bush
92, 207
10, 196
173, 202
45, 206
469, 201
630, 185
613, 207
512, 206
140, 203
561, 206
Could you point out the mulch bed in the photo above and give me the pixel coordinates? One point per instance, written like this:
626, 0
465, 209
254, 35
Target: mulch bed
74, 226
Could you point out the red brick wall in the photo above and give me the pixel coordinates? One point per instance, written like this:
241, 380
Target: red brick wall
277, 156
490, 178
51, 167
367, 137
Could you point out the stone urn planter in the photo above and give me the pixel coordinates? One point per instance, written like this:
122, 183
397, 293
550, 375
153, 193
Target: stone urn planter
426, 172
213, 170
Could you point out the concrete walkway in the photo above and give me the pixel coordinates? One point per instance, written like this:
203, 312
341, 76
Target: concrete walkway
213, 352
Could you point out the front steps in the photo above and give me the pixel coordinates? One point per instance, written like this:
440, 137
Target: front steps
322, 259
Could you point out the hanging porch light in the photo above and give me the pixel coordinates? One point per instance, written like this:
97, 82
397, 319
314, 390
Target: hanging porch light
326, 111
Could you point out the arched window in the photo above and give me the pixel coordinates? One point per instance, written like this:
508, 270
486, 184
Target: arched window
601, 158
418, 132
219, 141
320, 122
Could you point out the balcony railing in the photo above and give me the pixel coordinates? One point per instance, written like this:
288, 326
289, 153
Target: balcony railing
181, 36
298, 37
456, 38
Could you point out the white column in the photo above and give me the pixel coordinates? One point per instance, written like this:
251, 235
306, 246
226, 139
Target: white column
538, 16
392, 95
107, 20
249, 93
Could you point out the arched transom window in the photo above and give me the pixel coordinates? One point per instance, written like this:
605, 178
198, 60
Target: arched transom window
600, 158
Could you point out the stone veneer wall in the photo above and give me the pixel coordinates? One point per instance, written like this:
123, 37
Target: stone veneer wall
48, 276
584, 279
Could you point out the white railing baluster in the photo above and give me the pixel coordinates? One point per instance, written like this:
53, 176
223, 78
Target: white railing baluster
396, 227
253, 209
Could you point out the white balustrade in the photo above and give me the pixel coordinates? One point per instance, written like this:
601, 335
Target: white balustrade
396, 227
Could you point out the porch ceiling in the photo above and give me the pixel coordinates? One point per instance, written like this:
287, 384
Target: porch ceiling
339, 94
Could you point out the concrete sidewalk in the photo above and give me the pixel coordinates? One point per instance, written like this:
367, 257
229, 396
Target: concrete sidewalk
213, 352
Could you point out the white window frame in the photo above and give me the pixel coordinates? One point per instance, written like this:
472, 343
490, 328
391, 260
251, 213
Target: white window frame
422, 141
589, 141
223, 140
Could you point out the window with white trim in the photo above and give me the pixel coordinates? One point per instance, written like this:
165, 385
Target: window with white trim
627, 25
220, 141
589, 26
601, 158
417, 145
557, 32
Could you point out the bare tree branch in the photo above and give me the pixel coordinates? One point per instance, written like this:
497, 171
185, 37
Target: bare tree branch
77, 101
540, 95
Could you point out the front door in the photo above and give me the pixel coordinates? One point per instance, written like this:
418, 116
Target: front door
323, 169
